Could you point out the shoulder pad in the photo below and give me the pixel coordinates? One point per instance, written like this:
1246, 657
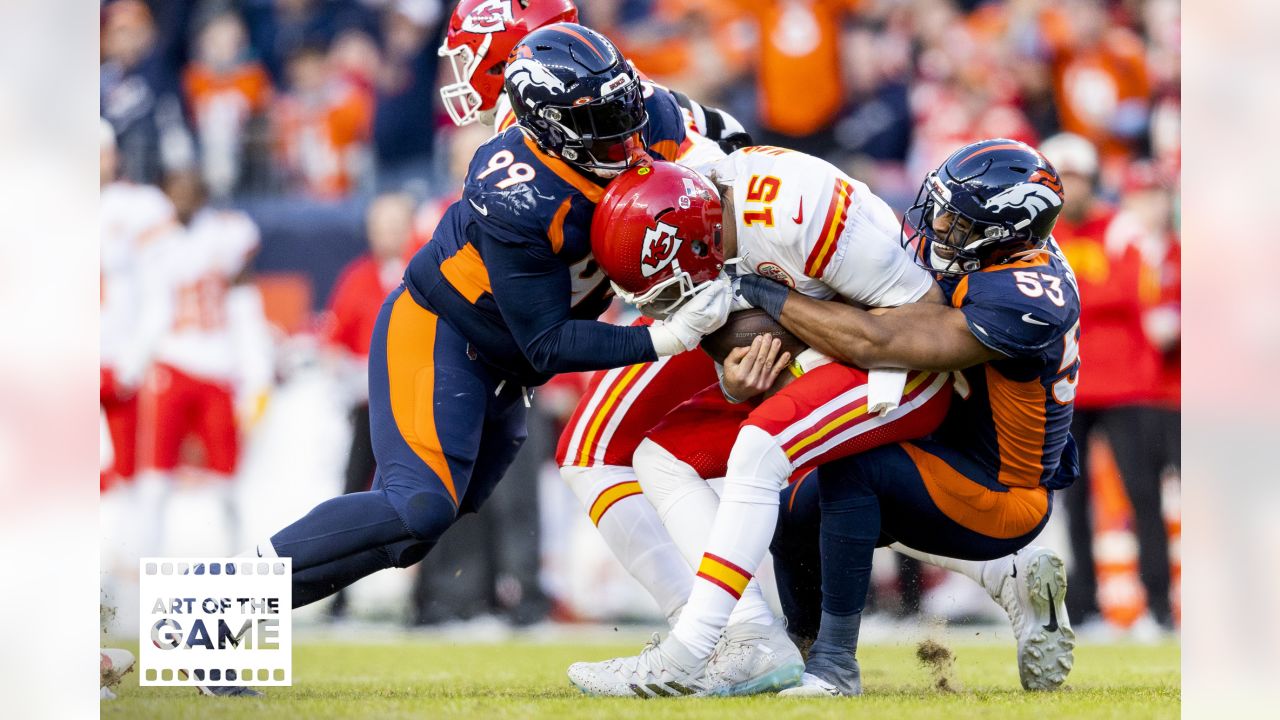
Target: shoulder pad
520, 191
1019, 309
508, 183
666, 130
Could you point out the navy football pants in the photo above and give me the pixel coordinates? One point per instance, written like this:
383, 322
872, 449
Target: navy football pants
443, 434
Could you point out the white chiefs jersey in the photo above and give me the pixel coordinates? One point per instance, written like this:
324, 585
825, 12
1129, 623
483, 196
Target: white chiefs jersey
802, 222
132, 218
199, 265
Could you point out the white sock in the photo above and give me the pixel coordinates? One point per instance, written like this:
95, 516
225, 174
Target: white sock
150, 494
986, 573
686, 505
739, 538
630, 526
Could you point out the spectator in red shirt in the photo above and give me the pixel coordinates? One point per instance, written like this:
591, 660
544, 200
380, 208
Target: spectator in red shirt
1120, 371
348, 326
1146, 223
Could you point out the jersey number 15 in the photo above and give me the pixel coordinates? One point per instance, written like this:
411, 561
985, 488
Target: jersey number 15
762, 190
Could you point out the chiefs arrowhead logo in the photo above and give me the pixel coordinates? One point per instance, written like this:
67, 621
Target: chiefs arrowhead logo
488, 17
658, 249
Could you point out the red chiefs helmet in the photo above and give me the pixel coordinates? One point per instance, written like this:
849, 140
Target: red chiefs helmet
481, 35
656, 234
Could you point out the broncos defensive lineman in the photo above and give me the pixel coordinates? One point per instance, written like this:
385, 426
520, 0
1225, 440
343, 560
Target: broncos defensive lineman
504, 296
980, 489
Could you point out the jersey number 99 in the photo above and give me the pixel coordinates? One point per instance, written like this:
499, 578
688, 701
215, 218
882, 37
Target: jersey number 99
517, 172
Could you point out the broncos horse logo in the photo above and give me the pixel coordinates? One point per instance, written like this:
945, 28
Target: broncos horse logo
1033, 197
525, 71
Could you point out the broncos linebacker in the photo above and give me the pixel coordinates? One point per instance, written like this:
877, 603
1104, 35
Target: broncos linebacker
503, 297
979, 489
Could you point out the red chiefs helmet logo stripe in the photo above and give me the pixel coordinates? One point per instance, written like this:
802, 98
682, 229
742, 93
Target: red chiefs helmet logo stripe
488, 17
658, 249
832, 226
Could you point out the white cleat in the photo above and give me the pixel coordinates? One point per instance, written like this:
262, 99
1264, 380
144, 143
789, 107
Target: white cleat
1034, 595
812, 686
662, 669
113, 664
752, 658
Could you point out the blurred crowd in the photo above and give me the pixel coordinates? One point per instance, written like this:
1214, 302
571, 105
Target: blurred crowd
223, 116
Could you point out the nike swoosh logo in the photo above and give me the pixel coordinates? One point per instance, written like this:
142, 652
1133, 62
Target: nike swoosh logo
799, 218
1053, 612
1026, 317
482, 209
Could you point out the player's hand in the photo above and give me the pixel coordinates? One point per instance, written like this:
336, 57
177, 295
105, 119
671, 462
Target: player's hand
704, 313
749, 371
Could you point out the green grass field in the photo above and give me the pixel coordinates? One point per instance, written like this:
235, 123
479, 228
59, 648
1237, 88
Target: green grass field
419, 678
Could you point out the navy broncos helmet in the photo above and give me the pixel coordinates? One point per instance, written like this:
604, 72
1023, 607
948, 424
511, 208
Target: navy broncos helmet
987, 203
575, 94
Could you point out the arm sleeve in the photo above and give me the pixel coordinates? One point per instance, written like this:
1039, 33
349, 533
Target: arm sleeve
715, 124
531, 287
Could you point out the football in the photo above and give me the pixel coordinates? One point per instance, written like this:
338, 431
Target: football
742, 327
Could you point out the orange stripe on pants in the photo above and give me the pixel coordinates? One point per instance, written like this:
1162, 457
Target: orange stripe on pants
996, 514
411, 374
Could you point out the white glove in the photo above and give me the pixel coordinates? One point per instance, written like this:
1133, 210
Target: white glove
739, 302
704, 313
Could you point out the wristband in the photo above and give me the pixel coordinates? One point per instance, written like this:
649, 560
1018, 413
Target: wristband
767, 295
665, 342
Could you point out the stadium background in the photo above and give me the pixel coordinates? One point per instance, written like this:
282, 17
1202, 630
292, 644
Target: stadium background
301, 112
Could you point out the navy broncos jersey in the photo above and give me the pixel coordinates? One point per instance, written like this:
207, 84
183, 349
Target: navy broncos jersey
1014, 412
510, 267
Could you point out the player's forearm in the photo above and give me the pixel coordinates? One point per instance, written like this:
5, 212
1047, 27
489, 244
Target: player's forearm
581, 345
845, 333
921, 336
835, 329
